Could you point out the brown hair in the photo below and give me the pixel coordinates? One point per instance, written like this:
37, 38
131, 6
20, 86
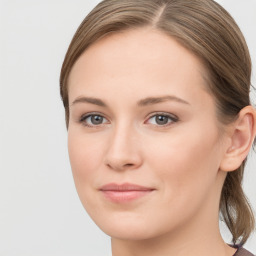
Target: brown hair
207, 30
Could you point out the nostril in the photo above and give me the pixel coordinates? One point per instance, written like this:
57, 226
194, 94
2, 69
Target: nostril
120, 167
128, 164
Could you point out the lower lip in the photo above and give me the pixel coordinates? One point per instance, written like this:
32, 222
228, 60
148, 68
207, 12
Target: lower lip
124, 196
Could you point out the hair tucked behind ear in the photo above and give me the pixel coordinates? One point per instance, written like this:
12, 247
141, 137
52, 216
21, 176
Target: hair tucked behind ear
235, 208
207, 30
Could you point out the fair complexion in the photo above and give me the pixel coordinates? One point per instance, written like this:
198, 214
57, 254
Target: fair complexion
174, 146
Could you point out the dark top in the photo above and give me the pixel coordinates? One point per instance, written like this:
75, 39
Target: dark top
241, 251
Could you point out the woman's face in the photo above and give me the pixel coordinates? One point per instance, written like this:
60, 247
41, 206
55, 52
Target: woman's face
140, 114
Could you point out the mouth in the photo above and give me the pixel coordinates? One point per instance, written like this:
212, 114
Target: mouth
124, 192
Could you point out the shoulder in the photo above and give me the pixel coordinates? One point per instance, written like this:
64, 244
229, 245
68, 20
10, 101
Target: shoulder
243, 252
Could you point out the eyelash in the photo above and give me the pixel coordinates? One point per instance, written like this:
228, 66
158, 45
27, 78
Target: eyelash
173, 119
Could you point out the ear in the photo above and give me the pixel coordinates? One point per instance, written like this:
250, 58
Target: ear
242, 135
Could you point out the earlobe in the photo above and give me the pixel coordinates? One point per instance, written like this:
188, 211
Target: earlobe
242, 136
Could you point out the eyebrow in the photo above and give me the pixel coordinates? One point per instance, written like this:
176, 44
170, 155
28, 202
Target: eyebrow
141, 103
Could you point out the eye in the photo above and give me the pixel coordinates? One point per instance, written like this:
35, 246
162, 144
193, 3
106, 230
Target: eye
92, 120
163, 119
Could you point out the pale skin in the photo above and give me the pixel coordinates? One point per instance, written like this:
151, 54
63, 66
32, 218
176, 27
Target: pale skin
185, 160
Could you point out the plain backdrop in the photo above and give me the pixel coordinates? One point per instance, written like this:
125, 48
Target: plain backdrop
40, 212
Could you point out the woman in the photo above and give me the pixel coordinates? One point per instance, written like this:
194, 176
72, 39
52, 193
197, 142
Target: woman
156, 95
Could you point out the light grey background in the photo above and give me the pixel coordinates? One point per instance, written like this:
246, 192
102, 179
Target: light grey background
40, 212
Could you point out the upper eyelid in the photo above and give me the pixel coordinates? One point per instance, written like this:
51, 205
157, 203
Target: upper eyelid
92, 114
163, 113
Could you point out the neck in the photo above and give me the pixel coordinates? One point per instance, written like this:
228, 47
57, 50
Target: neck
203, 241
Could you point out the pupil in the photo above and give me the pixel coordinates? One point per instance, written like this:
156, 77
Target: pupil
96, 119
162, 120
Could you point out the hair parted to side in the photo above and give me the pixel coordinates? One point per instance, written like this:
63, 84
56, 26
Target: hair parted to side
207, 30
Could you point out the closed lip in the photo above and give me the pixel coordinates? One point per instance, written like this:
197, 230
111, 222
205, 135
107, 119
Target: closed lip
124, 187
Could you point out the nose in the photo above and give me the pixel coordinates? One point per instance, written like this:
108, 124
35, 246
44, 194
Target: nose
123, 150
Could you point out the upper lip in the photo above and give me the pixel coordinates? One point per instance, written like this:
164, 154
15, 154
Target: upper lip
124, 187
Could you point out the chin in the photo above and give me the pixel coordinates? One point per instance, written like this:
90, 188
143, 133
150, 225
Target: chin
129, 227
128, 233
122, 225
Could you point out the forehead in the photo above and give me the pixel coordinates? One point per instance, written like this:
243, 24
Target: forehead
134, 60
137, 46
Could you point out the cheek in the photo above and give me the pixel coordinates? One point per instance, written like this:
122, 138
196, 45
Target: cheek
180, 152
84, 155
185, 164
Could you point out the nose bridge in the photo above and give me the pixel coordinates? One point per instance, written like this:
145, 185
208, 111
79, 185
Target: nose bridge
123, 147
